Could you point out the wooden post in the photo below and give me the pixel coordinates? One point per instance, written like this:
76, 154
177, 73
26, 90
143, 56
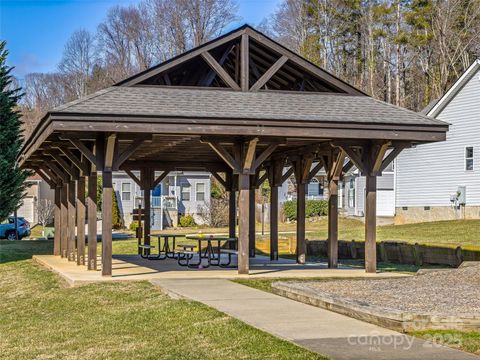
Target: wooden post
301, 244
243, 223
370, 223
92, 221
147, 219
232, 213
81, 220
71, 221
251, 220
107, 223
333, 223
273, 222
64, 221
57, 218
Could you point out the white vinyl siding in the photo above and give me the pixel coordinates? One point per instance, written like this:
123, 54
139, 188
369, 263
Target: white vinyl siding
427, 175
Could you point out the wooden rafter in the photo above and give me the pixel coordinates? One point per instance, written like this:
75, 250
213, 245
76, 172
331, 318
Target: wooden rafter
244, 63
314, 171
269, 73
82, 166
287, 174
354, 156
71, 170
84, 150
392, 155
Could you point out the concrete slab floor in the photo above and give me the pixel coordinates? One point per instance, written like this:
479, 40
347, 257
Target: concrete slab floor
133, 267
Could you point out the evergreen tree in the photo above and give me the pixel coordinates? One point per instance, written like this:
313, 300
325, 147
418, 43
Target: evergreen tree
117, 221
12, 186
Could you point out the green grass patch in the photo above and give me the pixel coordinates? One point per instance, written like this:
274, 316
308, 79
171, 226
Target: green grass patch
42, 318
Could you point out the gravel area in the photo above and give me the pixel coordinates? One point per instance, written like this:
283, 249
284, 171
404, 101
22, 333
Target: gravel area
449, 292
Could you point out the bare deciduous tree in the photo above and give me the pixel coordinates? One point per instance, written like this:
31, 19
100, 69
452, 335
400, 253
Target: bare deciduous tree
45, 213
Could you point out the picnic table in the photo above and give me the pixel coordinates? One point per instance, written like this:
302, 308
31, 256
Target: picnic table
168, 252
213, 258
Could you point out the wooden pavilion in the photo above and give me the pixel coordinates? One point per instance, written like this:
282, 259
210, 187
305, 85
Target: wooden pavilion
241, 105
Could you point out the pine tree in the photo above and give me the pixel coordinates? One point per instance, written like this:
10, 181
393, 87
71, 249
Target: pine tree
12, 178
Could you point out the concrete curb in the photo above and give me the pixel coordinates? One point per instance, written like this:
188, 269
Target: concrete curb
388, 318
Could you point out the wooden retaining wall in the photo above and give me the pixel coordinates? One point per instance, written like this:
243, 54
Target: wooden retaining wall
398, 252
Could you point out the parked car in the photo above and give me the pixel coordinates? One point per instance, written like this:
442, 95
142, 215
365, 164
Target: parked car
7, 230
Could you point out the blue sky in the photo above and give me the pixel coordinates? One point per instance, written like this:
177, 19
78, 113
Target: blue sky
36, 30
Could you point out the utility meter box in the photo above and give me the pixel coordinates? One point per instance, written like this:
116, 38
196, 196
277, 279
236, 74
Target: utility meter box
462, 195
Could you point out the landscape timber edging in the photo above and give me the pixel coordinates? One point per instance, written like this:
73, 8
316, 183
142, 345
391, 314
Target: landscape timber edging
389, 318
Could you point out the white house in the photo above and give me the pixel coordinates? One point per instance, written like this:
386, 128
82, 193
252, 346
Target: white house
180, 193
433, 181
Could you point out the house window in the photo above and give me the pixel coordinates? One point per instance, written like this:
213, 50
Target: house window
185, 192
313, 188
469, 158
200, 192
126, 191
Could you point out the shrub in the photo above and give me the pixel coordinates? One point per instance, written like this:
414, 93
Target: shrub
187, 221
312, 208
133, 226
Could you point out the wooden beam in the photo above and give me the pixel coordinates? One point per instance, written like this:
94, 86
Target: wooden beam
378, 157
107, 197
391, 156
273, 223
54, 169
133, 177
264, 155
332, 239
71, 221
64, 222
71, 170
81, 209
315, 170
110, 151
287, 174
354, 157
370, 223
220, 70
52, 183
57, 220
243, 216
261, 179
249, 156
347, 166
92, 221
224, 154
75, 160
301, 251
207, 81
244, 66
159, 179
337, 165
84, 150
221, 180
251, 217
127, 153
269, 73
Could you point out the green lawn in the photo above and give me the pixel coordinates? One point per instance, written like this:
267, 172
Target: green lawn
42, 318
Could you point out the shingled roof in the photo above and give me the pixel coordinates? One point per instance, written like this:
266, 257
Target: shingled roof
161, 102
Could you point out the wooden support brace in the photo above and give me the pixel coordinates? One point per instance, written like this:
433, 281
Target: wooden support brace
210, 60
269, 73
127, 153
84, 150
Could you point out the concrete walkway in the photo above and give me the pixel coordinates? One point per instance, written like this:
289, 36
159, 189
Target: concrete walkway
319, 330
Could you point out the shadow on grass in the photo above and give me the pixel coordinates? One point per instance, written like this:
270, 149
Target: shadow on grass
23, 249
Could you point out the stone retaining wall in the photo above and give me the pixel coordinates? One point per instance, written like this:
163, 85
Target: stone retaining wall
398, 252
392, 319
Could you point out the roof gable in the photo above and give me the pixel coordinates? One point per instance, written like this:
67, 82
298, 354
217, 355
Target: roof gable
455, 89
243, 59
